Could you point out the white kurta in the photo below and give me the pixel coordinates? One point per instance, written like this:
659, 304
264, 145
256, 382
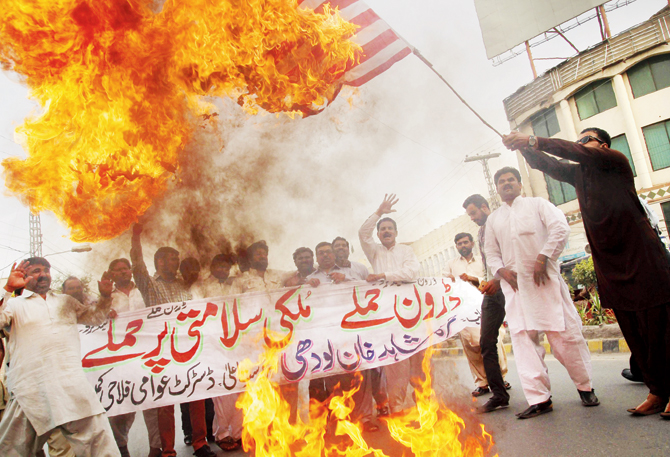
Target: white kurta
398, 263
515, 235
131, 302
45, 374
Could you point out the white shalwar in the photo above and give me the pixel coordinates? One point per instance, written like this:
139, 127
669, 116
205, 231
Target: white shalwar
515, 236
399, 263
47, 386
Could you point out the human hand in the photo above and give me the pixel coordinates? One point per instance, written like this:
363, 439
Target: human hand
314, 282
105, 285
112, 314
491, 287
471, 279
137, 229
516, 141
387, 205
375, 277
450, 277
17, 277
510, 277
540, 276
337, 277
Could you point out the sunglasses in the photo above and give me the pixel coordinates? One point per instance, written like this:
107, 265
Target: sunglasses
588, 138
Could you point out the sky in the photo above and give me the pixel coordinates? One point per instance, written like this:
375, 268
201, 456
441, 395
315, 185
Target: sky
404, 132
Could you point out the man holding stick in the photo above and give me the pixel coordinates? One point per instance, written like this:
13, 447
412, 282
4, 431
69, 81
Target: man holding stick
630, 261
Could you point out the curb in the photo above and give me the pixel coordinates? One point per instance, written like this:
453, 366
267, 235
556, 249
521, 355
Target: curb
602, 346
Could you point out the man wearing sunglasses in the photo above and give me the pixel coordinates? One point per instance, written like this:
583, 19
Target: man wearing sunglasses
630, 264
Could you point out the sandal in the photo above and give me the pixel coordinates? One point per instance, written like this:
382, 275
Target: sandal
652, 405
666, 414
229, 444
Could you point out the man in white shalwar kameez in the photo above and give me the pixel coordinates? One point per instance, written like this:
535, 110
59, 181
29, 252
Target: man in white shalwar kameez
392, 262
524, 238
47, 386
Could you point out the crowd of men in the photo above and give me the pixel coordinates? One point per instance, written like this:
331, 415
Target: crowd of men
50, 401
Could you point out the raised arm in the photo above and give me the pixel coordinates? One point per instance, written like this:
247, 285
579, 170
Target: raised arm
365, 236
16, 281
603, 157
559, 171
98, 312
365, 232
140, 272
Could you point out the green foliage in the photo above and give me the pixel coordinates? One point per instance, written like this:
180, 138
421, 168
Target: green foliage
584, 273
592, 313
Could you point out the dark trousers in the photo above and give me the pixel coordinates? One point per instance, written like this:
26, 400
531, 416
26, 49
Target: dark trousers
647, 333
186, 417
493, 315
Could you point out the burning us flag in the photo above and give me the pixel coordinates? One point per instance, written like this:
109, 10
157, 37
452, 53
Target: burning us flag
120, 83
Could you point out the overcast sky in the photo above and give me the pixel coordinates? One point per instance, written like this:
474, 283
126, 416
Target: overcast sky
412, 129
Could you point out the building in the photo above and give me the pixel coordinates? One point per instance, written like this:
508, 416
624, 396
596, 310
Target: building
436, 248
621, 85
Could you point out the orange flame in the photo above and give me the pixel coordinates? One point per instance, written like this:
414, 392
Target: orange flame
120, 85
429, 429
432, 429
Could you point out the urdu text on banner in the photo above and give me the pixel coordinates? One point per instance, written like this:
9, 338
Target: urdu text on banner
181, 352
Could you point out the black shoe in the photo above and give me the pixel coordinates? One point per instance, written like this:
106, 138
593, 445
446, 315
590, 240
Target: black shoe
479, 391
589, 398
204, 451
493, 404
508, 386
626, 373
188, 440
536, 410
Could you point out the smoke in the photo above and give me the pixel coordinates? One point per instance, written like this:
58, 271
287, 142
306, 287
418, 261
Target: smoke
242, 178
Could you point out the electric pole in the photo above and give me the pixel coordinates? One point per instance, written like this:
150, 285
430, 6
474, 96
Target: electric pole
35, 235
484, 159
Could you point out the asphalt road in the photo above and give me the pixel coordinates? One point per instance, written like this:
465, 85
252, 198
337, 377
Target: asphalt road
570, 430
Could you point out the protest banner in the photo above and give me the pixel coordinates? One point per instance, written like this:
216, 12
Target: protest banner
181, 352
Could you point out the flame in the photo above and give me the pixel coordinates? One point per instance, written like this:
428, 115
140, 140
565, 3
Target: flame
429, 429
432, 429
120, 86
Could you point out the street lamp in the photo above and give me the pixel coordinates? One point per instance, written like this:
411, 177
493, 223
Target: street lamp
81, 248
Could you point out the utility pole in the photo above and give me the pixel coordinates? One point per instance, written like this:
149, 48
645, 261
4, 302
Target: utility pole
484, 159
35, 235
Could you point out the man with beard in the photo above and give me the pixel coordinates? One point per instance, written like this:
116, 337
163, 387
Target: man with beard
47, 386
375, 376
126, 297
524, 238
166, 287
469, 268
303, 258
630, 261
329, 273
394, 263
341, 249
259, 276
73, 287
493, 313
218, 283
